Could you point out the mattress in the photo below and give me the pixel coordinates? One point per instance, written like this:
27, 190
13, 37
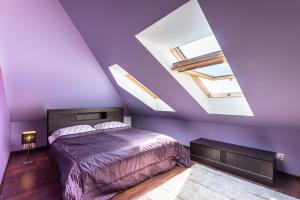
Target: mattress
100, 164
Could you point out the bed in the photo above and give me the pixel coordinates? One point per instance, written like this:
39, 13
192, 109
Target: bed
99, 164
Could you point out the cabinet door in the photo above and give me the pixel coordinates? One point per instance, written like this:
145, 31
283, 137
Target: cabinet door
206, 152
257, 166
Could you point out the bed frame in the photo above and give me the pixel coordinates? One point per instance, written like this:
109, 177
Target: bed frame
60, 118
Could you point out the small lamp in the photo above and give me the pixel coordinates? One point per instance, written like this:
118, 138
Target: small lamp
28, 141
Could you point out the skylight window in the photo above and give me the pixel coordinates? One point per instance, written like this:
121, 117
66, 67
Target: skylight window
200, 47
205, 62
137, 89
196, 60
215, 71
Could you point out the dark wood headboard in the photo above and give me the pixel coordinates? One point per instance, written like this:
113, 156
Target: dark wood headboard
60, 118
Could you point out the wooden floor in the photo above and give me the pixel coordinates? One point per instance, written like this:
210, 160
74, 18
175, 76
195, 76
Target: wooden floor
38, 181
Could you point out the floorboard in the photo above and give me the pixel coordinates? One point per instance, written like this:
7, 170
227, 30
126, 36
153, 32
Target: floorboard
39, 181
36, 181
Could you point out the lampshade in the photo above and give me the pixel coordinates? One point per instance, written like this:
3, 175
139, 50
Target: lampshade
29, 139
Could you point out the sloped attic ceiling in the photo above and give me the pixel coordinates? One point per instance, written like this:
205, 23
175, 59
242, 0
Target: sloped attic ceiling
46, 63
259, 40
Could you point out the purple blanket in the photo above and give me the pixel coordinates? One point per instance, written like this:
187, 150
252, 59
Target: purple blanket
100, 164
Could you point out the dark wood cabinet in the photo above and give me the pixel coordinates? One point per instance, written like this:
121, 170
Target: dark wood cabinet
254, 164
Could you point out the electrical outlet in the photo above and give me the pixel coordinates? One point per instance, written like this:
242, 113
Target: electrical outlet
280, 156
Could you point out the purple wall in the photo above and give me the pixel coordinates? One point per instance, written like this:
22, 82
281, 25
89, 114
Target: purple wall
4, 129
46, 64
277, 140
259, 41
40, 126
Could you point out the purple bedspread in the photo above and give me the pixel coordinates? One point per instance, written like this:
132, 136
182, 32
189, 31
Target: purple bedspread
100, 164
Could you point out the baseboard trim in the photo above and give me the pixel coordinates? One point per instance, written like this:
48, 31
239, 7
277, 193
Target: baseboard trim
4, 174
287, 174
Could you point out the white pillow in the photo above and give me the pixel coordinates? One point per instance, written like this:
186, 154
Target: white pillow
69, 130
108, 125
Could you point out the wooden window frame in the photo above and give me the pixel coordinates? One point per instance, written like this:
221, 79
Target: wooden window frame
201, 85
187, 65
140, 85
178, 54
200, 61
211, 78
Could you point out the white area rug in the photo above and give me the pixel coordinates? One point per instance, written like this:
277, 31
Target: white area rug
202, 183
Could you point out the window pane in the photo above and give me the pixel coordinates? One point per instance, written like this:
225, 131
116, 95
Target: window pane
215, 70
200, 47
221, 86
